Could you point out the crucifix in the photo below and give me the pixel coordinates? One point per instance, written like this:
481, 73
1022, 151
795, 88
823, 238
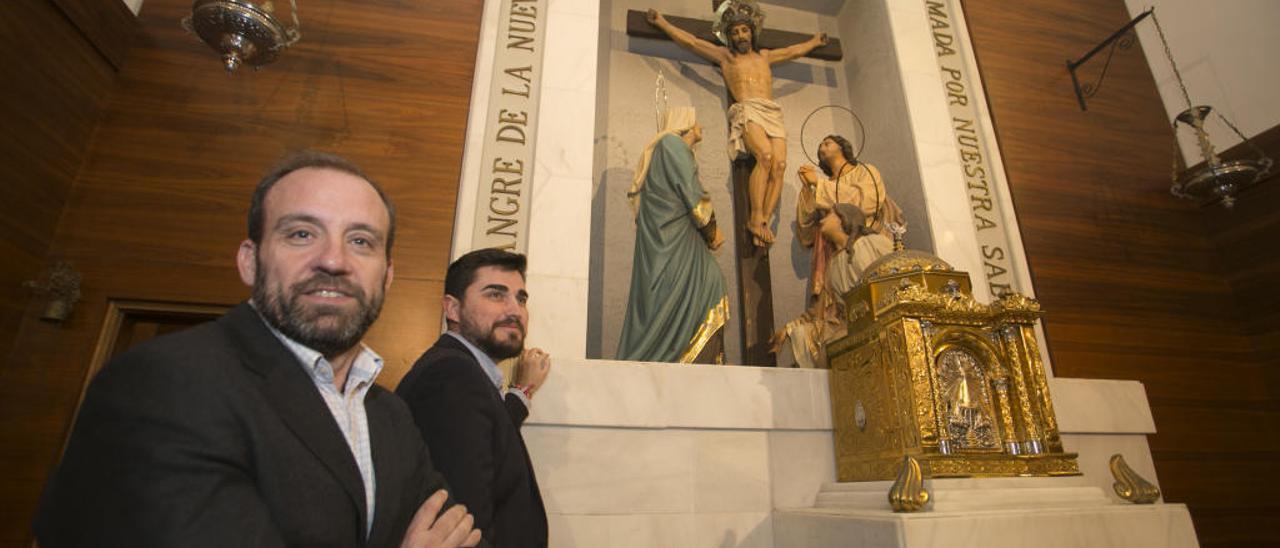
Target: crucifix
756, 134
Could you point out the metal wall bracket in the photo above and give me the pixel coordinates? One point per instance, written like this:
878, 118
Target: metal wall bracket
1119, 39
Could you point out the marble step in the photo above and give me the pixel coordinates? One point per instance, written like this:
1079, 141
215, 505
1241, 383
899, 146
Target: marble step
963, 495
1101, 526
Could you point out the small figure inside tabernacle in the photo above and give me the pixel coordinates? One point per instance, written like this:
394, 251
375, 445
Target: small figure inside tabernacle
755, 120
845, 217
678, 303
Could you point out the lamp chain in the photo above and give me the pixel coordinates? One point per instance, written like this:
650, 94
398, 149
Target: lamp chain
294, 33
1169, 55
1265, 160
1177, 168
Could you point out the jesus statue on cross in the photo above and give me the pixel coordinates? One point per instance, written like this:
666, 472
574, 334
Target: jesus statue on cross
755, 120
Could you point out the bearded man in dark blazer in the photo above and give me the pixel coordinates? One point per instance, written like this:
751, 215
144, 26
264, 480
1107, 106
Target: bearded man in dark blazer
265, 427
469, 421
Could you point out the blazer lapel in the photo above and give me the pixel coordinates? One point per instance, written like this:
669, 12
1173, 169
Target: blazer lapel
295, 398
386, 468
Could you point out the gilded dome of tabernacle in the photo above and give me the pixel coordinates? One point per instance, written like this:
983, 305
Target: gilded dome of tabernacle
905, 261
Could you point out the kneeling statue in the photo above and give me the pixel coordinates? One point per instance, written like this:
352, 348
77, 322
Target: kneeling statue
846, 217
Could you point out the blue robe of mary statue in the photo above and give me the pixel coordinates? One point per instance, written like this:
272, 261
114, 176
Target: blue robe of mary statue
678, 301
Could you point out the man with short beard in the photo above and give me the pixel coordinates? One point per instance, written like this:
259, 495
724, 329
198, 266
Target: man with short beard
470, 421
264, 428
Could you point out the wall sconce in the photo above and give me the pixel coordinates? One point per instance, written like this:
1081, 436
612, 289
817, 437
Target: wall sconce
242, 31
62, 288
1213, 181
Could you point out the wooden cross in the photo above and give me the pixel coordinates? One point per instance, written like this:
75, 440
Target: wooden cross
639, 26
754, 280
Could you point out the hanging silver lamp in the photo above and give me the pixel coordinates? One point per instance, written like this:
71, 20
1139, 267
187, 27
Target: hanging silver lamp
1214, 180
243, 32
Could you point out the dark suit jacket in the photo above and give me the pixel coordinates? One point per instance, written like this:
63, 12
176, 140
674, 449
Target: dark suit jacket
216, 436
475, 436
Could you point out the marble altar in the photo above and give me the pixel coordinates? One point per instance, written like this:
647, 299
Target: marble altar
639, 454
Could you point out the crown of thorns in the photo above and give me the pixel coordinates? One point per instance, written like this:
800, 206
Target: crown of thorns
738, 12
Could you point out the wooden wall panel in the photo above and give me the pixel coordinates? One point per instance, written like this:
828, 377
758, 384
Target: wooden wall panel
1246, 240
1133, 285
101, 21
157, 210
56, 86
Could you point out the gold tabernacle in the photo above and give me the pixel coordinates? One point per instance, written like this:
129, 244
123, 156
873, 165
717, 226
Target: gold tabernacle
928, 372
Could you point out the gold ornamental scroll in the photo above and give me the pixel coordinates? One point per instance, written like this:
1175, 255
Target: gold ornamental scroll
511, 125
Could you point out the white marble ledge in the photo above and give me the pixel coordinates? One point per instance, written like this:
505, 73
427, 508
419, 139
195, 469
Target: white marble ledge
1128, 526
652, 395
701, 530
1100, 406
974, 494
